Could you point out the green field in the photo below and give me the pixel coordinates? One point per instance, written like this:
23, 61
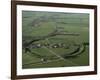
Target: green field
54, 39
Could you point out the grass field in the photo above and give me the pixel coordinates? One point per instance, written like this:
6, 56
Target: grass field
52, 39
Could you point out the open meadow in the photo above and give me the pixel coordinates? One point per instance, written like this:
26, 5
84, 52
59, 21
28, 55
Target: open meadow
54, 39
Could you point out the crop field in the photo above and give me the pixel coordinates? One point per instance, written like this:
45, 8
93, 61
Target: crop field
54, 39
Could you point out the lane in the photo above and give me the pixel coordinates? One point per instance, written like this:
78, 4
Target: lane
58, 55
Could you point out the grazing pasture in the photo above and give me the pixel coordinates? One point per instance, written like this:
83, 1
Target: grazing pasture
54, 39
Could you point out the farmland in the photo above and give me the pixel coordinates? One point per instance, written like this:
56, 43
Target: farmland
54, 39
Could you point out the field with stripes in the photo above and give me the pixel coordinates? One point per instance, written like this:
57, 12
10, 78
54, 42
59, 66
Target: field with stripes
54, 39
